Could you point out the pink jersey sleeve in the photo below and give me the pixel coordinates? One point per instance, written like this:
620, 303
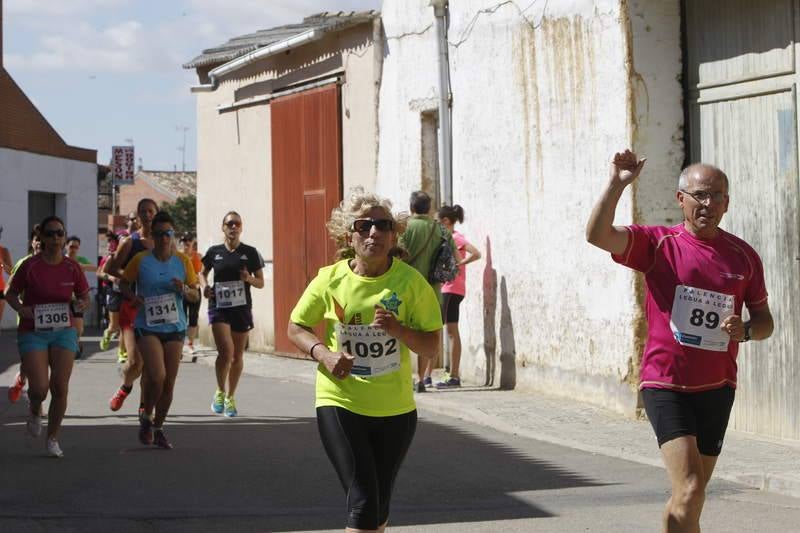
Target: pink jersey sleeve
19, 280
640, 253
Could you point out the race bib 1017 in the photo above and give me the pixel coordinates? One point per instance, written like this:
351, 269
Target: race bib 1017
51, 316
161, 310
697, 315
230, 294
376, 353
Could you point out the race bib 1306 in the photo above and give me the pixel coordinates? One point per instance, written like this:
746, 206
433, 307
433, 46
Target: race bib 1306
51, 316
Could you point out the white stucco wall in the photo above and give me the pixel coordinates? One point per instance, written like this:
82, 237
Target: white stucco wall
233, 174
234, 164
21, 172
540, 102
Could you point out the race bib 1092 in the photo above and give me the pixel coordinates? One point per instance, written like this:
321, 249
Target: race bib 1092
376, 353
697, 315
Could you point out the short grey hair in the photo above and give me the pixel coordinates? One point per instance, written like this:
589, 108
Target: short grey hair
683, 179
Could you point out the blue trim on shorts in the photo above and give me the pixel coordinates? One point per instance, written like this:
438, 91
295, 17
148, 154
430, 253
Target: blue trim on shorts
40, 341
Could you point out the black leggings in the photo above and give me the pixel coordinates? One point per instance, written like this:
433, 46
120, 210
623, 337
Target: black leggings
366, 452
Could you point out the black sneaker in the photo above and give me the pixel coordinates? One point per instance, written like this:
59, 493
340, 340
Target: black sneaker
145, 429
160, 440
420, 386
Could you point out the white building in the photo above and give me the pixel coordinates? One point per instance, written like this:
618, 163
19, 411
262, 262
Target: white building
40, 175
542, 94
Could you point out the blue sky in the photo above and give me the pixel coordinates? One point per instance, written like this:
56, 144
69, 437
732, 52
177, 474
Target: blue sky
103, 71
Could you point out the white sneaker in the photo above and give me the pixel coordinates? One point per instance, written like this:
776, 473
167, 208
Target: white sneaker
53, 449
34, 425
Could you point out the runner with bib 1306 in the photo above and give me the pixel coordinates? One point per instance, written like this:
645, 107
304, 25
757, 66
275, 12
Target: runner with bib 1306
46, 337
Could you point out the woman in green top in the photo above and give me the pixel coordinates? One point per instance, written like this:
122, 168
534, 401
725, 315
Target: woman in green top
375, 308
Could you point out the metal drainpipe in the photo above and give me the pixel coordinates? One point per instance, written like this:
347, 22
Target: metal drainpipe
445, 135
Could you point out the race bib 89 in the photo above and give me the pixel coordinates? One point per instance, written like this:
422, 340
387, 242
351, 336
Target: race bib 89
376, 353
51, 316
697, 315
160, 310
230, 294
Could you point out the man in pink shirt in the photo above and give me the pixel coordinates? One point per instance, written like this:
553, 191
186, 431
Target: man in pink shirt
698, 278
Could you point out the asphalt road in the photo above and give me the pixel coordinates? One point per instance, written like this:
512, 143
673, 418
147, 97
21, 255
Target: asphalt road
266, 471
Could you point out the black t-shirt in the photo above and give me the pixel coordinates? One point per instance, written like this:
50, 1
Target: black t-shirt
227, 265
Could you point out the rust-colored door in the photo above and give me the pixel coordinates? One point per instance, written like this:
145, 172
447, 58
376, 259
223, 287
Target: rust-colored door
306, 185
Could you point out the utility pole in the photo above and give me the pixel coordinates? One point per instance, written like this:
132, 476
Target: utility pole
182, 148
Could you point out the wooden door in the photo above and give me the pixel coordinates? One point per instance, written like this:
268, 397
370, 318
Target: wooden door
742, 85
306, 186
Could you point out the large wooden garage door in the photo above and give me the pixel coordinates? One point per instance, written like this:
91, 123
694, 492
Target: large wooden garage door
742, 80
307, 184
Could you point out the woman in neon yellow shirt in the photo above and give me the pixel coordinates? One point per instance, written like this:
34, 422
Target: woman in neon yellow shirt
375, 308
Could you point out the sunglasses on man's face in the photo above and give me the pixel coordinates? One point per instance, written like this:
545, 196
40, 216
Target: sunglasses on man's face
364, 225
53, 233
233, 224
165, 233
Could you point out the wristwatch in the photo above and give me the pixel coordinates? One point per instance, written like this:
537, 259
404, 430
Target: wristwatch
746, 332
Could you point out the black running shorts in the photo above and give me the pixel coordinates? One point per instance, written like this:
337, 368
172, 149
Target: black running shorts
450, 305
704, 414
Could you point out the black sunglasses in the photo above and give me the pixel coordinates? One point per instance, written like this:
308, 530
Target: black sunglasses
53, 233
165, 233
363, 225
233, 224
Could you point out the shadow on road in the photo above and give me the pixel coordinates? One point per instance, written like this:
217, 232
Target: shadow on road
252, 473
271, 471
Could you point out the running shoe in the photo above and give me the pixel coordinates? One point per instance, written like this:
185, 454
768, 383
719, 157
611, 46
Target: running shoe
15, 390
122, 356
79, 353
218, 405
53, 449
145, 429
105, 341
118, 399
230, 407
192, 349
427, 381
451, 383
160, 440
420, 386
34, 425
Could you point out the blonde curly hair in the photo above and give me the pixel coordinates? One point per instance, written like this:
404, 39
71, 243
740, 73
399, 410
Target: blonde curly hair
359, 203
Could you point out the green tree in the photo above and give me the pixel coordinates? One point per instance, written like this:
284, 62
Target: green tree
184, 212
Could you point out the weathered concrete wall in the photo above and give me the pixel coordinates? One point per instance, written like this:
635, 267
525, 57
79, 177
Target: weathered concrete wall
540, 101
234, 147
21, 172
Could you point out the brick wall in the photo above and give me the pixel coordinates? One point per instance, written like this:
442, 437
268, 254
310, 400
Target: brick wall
129, 195
22, 126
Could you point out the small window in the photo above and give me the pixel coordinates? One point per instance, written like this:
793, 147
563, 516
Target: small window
429, 155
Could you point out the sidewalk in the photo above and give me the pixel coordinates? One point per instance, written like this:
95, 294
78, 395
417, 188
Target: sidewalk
757, 462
